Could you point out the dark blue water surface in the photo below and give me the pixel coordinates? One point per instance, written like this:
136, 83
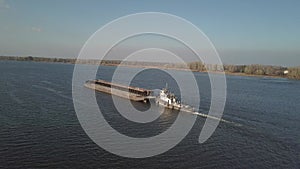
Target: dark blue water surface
39, 126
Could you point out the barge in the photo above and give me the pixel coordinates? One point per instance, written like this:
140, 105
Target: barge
165, 98
128, 92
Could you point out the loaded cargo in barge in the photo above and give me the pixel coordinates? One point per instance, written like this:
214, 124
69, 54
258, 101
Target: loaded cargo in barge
128, 92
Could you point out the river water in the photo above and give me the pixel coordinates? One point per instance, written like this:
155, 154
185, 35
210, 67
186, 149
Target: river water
39, 126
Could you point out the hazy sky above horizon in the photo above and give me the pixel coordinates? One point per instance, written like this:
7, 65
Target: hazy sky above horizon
243, 32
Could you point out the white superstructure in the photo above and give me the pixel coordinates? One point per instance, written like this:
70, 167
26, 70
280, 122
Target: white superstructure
169, 100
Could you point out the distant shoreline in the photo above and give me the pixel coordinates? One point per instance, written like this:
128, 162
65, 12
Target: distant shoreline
226, 73
195, 66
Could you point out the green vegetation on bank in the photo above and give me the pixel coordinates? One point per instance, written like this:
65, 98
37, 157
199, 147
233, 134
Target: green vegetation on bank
256, 70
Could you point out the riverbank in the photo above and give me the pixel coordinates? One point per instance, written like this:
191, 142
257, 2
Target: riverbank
183, 69
235, 70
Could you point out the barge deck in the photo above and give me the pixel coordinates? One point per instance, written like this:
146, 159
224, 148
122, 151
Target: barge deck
128, 92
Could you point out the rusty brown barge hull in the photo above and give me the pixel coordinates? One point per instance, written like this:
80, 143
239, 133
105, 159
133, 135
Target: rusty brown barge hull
127, 92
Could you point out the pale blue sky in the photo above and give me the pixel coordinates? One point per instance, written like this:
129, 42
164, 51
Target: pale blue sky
244, 32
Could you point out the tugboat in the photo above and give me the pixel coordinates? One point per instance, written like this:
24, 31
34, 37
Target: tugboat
169, 100
165, 98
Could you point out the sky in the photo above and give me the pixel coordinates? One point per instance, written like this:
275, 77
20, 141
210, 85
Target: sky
243, 32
